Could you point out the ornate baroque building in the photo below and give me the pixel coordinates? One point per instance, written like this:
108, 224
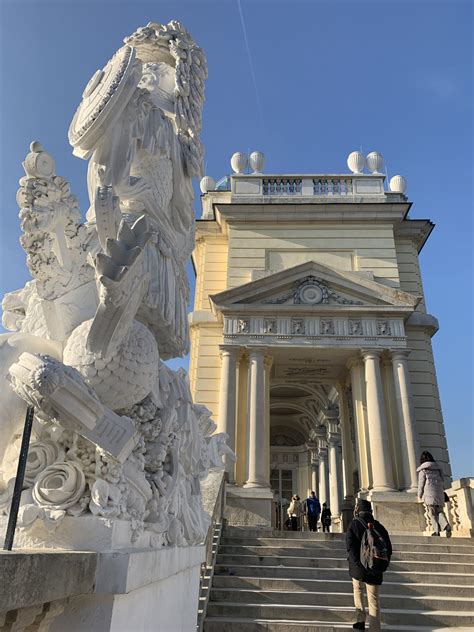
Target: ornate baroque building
311, 340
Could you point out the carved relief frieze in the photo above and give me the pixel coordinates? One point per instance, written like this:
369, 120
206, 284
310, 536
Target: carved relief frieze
314, 330
243, 326
355, 327
298, 326
383, 328
327, 327
269, 325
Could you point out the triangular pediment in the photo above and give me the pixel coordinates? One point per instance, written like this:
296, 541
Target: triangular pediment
313, 285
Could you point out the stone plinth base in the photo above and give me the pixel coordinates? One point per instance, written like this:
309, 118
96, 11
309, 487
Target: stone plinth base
461, 507
150, 589
86, 533
399, 512
248, 506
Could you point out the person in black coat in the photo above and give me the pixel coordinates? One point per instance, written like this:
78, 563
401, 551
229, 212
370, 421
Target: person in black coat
360, 575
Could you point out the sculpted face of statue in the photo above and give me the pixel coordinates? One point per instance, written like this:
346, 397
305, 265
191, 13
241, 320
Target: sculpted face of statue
159, 79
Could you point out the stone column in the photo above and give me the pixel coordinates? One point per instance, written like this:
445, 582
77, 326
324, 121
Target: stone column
377, 423
268, 365
256, 465
356, 369
241, 465
314, 463
323, 464
392, 420
333, 452
406, 415
346, 439
228, 400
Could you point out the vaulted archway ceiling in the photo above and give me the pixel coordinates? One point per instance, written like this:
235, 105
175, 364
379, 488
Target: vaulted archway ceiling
294, 410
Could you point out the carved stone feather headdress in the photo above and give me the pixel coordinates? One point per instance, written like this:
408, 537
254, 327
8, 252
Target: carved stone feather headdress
173, 44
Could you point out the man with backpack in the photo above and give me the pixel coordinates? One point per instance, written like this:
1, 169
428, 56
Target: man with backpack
313, 509
369, 552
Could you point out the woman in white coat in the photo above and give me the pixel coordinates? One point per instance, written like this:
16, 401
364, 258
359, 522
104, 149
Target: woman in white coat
431, 492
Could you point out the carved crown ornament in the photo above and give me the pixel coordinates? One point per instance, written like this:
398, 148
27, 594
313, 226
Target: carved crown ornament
311, 291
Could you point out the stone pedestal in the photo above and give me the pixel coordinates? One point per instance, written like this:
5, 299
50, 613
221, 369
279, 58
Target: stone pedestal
248, 507
87, 533
106, 592
399, 512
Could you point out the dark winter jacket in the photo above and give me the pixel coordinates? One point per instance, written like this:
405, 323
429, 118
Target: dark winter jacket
431, 483
326, 517
313, 506
354, 534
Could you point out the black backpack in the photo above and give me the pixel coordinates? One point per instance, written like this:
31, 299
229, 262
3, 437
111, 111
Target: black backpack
373, 549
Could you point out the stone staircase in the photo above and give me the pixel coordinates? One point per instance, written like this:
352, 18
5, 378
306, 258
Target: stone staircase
298, 582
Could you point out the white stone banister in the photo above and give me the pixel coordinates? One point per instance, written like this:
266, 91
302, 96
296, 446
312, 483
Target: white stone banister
307, 185
333, 185
281, 186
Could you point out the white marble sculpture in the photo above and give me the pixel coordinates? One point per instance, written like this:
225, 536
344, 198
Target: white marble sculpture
116, 433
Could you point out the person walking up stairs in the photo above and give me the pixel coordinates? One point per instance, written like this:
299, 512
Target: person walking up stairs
283, 581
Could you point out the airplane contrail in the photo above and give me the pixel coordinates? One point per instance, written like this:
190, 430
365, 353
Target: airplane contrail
252, 69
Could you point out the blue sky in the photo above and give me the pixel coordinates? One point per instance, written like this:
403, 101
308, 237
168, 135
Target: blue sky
317, 80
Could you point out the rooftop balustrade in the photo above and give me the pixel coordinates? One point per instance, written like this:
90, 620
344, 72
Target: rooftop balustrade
306, 185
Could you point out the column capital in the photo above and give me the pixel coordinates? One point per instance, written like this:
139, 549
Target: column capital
354, 361
313, 454
333, 429
322, 449
331, 413
256, 352
400, 354
371, 354
268, 361
230, 351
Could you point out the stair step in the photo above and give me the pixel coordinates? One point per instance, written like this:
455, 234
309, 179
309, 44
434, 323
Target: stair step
281, 581
227, 624
338, 613
341, 562
245, 533
454, 545
333, 585
300, 572
306, 551
322, 598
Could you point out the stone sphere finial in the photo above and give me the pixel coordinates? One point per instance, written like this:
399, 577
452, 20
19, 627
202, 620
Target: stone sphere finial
239, 162
356, 162
257, 161
375, 162
207, 184
398, 184
38, 163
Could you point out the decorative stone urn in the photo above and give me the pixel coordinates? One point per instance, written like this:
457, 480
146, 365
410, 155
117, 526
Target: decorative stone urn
257, 161
239, 162
356, 162
207, 184
398, 184
375, 162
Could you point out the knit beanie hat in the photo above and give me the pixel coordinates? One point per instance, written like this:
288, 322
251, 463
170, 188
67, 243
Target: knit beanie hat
364, 505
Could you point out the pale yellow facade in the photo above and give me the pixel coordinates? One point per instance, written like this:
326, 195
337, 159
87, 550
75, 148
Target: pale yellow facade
362, 249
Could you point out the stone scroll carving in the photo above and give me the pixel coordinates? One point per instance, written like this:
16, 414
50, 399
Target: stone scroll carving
116, 432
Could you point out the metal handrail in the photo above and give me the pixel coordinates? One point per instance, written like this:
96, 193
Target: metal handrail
19, 480
212, 542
